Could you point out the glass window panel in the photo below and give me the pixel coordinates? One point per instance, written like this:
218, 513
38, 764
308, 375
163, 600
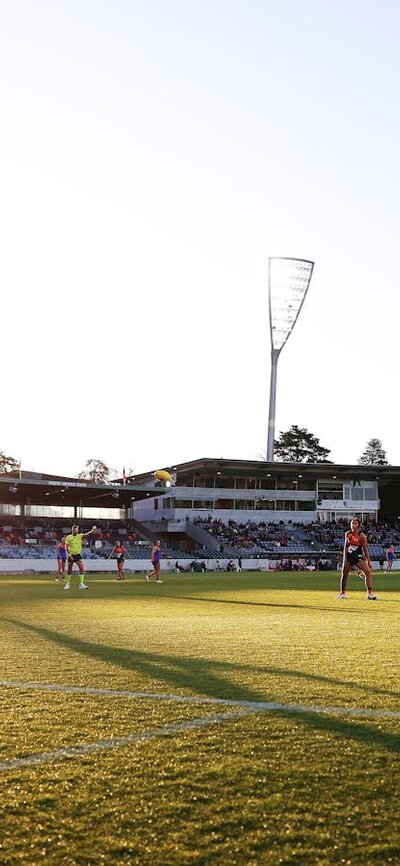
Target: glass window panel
330, 487
224, 481
240, 483
267, 484
285, 483
265, 505
244, 504
331, 494
184, 480
305, 484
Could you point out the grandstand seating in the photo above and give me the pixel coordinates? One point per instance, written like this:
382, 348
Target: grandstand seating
37, 539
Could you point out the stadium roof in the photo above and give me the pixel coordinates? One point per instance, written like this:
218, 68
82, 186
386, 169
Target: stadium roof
41, 489
262, 469
36, 488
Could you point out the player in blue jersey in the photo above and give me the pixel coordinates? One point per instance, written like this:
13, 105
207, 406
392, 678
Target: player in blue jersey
61, 559
390, 557
155, 561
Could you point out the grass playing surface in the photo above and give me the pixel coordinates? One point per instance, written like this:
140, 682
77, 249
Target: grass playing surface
289, 753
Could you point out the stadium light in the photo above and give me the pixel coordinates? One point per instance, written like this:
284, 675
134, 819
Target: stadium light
288, 282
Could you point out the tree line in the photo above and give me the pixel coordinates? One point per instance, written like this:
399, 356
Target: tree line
296, 445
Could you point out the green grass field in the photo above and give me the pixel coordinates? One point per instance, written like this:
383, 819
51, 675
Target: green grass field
213, 719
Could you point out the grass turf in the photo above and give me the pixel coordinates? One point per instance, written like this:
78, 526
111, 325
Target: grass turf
282, 786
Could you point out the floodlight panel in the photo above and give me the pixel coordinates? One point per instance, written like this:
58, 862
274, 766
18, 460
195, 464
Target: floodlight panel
289, 280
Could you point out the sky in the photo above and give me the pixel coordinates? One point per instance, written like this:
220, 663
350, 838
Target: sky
153, 155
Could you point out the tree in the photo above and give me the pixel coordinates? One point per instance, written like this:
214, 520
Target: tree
8, 465
374, 454
95, 471
297, 445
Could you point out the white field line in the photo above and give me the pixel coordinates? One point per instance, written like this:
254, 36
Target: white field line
257, 706
115, 742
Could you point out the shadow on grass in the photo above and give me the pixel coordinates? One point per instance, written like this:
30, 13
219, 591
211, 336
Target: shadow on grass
283, 606
370, 736
203, 677
198, 675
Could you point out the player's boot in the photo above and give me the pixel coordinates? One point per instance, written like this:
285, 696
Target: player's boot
341, 595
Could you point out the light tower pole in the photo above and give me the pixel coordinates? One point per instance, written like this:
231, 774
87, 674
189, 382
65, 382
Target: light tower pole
288, 282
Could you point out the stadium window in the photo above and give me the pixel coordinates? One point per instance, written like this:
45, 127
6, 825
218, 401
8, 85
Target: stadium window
225, 482
251, 484
14, 510
244, 504
306, 506
331, 494
208, 504
183, 503
285, 504
286, 483
265, 505
331, 487
205, 481
167, 502
267, 484
223, 503
371, 489
240, 483
304, 484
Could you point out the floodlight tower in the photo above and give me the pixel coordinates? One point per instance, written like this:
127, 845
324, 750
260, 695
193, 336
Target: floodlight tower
288, 282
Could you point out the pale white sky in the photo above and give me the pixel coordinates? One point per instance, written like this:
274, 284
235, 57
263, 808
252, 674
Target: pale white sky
152, 156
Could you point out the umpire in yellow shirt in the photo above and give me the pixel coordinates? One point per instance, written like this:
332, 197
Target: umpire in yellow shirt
73, 543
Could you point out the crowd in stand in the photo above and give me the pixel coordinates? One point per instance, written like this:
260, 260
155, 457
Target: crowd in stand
242, 535
314, 537
21, 537
38, 535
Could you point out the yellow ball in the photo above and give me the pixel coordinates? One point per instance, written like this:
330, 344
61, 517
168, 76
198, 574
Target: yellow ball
162, 475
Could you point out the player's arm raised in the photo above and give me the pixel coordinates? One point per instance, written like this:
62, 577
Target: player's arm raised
91, 531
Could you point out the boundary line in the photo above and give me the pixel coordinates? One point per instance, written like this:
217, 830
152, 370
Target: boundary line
256, 706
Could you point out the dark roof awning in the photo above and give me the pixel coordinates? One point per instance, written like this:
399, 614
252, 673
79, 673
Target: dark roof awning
20, 491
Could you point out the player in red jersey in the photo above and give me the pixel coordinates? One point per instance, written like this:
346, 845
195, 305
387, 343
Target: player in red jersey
356, 555
120, 552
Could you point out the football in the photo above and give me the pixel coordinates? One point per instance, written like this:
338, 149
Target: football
162, 475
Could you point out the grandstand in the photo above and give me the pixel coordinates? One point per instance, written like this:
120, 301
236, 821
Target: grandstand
280, 513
